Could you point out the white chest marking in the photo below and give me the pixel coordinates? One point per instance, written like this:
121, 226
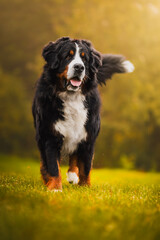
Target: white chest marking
72, 128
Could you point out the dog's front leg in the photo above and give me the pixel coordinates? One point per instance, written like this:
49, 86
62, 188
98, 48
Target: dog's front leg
73, 171
52, 169
85, 157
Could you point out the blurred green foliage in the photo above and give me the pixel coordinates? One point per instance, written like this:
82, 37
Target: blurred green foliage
130, 103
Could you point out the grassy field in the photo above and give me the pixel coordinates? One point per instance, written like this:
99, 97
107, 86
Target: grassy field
120, 204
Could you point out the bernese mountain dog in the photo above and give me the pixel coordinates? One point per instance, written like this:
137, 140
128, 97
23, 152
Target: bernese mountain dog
66, 107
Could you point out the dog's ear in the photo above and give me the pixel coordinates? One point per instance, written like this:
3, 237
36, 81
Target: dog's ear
113, 64
50, 55
51, 50
95, 57
96, 60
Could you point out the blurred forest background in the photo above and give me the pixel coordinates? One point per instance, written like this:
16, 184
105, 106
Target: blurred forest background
130, 129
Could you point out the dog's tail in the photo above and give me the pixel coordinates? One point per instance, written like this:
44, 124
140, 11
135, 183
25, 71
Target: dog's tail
113, 64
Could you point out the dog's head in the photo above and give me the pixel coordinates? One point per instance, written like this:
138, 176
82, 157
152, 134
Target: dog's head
73, 62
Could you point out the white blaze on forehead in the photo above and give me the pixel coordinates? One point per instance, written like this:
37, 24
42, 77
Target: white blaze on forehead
76, 60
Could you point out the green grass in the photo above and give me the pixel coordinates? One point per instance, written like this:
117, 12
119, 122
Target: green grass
120, 204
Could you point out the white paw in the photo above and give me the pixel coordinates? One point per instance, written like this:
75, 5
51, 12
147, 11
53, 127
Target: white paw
72, 177
129, 67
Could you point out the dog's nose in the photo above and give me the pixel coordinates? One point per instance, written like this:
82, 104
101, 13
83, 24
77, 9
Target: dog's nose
78, 68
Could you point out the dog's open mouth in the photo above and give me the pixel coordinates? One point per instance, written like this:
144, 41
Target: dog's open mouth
75, 82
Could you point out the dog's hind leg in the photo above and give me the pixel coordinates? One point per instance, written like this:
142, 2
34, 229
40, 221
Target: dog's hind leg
73, 171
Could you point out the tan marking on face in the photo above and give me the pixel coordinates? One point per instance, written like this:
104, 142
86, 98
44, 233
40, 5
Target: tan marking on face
63, 76
82, 54
73, 164
71, 52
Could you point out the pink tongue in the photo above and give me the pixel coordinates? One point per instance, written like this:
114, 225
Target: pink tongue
75, 83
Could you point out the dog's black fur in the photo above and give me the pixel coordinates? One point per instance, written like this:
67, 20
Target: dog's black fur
48, 107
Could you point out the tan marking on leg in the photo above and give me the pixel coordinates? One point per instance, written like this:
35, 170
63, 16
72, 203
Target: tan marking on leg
73, 171
54, 183
45, 176
83, 179
51, 182
73, 164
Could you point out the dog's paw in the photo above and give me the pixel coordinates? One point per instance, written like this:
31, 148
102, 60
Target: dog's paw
72, 177
54, 183
128, 66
